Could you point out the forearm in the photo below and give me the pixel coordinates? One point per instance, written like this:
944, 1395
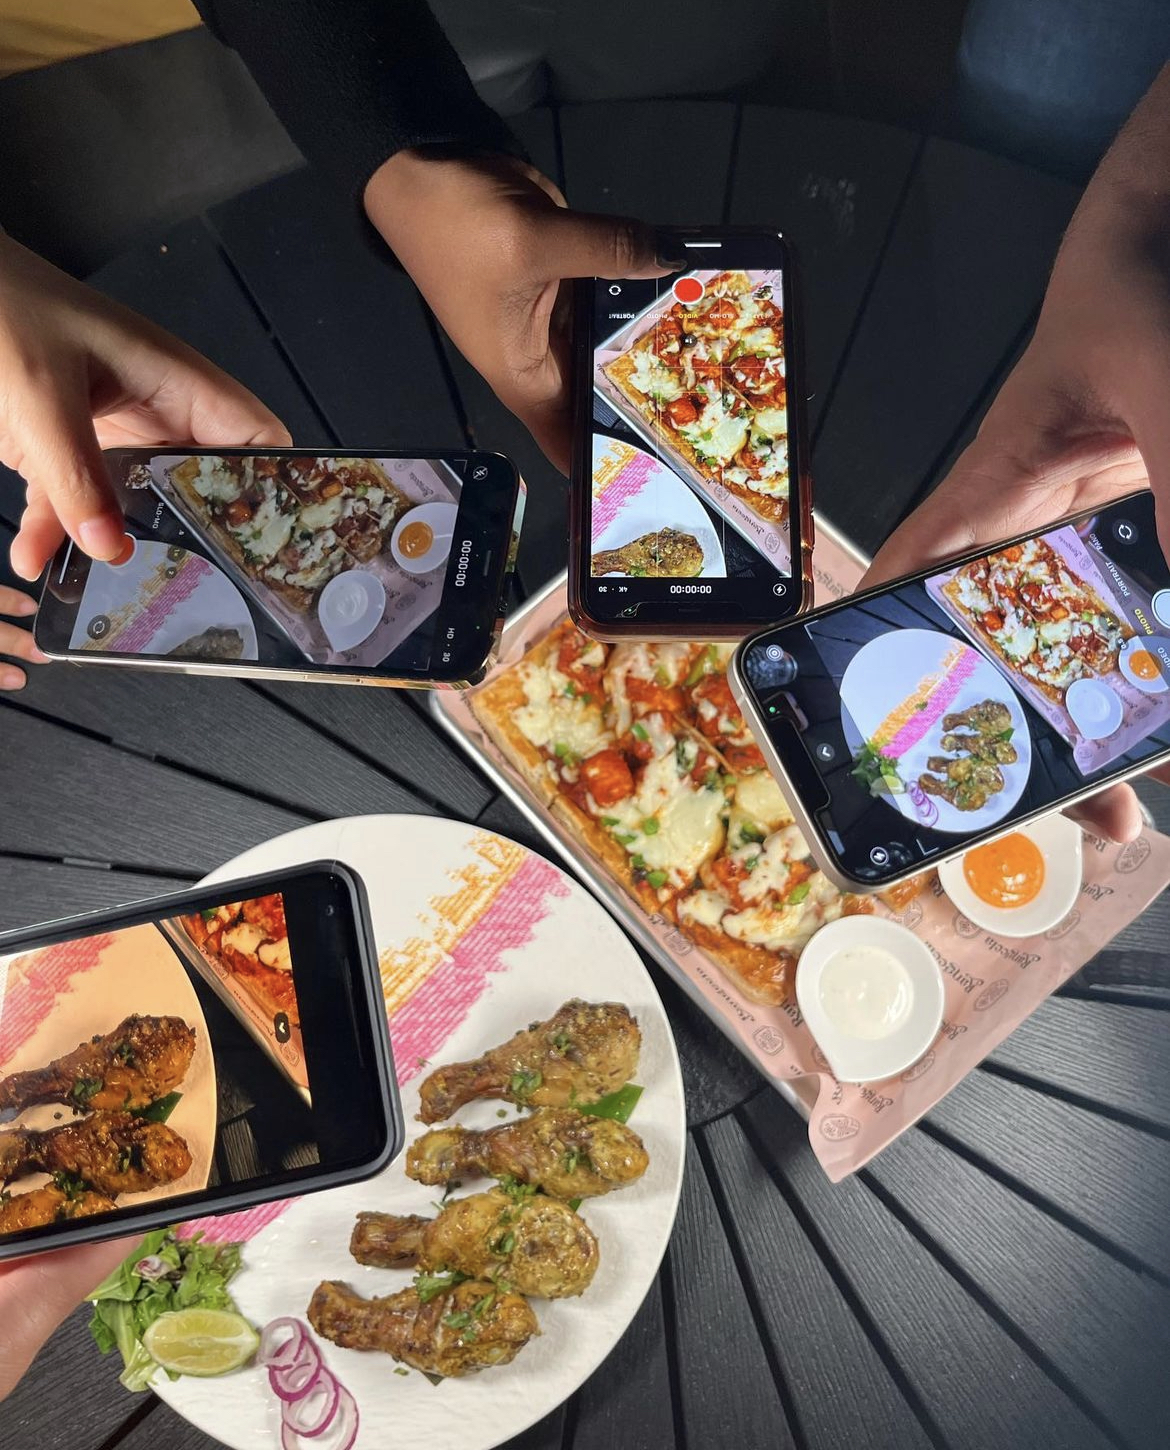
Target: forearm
356, 81
1128, 196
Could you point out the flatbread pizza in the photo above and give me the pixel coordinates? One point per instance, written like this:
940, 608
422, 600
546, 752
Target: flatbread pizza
641, 752
250, 940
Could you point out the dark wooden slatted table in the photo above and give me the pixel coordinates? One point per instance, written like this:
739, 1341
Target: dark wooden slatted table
1001, 1275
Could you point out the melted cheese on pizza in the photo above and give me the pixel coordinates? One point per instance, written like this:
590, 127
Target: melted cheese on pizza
553, 717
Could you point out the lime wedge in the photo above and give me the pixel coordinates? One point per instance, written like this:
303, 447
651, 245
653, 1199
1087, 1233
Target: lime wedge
202, 1342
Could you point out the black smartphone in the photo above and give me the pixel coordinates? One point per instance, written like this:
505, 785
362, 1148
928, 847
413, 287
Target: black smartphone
189, 1055
915, 720
691, 506
368, 568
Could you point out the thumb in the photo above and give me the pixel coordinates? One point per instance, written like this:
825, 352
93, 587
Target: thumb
58, 456
584, 244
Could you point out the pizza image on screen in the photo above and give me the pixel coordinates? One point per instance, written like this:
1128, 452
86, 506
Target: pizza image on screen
292, 524
1037, 617
640, 750
707, 379
250, 940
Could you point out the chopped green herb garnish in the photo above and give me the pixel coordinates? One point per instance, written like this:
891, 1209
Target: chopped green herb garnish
208, 915
481, 1306
401, 1369
625, 837
650, 826
457, 1321
84, 1089
798, 893
749, 831
562, 1042
575, 1204
501, 1112
662, 675
640, 730
706, 662
610, 821
570, 689
570, 1160
516, 1190
430, 1286
504, 1244
657, 879
524, 1082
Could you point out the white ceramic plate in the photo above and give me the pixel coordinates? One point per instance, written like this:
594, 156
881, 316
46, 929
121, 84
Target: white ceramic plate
887, 671
860, 1059
133, 971
663, 501
476, 937
1061, 844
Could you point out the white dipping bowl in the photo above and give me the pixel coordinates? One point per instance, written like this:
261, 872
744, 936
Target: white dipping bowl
1095, 708
1061, 844
350, 608
870, 1059
440, 519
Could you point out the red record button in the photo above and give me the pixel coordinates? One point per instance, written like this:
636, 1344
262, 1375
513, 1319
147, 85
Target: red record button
688, 290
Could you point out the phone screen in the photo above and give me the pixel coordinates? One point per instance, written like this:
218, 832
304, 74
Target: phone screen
692, 512
932, 715
356, 565
209, 1053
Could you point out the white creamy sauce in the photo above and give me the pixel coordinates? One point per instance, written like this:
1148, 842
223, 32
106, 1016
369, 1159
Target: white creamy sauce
866, 992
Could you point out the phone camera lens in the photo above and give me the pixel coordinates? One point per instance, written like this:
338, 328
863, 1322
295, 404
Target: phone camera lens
774, 652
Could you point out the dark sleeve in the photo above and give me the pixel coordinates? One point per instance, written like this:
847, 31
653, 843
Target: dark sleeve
354, 81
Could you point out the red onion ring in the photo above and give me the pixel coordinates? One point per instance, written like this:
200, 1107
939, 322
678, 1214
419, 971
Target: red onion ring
290, 1381
271, 1352
315, 1406
310, 1419
342, 1432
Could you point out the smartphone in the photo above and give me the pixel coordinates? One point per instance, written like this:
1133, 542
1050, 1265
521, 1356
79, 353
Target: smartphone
915, 720
691, 512
369, 568
190, 1055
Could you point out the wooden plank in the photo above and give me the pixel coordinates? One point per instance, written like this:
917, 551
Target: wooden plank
348, 317
379, 727
832, 185
716, 1075
72, 797
716, 1339
1097, 1053
1137, 971
887, 1268
69, 1371
839, 1390
184, 283
1069, 1158
967, 263
42, 890
546, 1434
1101, 1326
628, 1402
226, 731
163, 1427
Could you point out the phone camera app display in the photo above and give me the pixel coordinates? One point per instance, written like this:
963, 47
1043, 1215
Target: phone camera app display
981, 694
690, 467
282, 559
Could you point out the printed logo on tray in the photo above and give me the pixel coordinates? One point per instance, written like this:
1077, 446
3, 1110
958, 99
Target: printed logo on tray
839, 1126
991, 994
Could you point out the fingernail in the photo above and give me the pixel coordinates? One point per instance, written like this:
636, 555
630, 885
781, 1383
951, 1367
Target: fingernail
23, 606
36, 657
11, 679
101, 538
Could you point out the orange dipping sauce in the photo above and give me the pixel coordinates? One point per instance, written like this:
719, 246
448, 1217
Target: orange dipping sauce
1005, 873
415, 539
1144, 665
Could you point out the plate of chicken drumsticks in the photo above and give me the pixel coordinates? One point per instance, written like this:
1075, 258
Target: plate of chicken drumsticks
107, 1081
471, 1287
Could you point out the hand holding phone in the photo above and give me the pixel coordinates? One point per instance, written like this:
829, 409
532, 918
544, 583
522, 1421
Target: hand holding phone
116, 1095
362, 568
927, 715
691, 508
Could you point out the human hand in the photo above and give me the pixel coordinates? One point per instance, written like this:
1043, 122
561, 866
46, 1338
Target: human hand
1081, 420
489, 242
15, 641
37, 1293
79, 373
